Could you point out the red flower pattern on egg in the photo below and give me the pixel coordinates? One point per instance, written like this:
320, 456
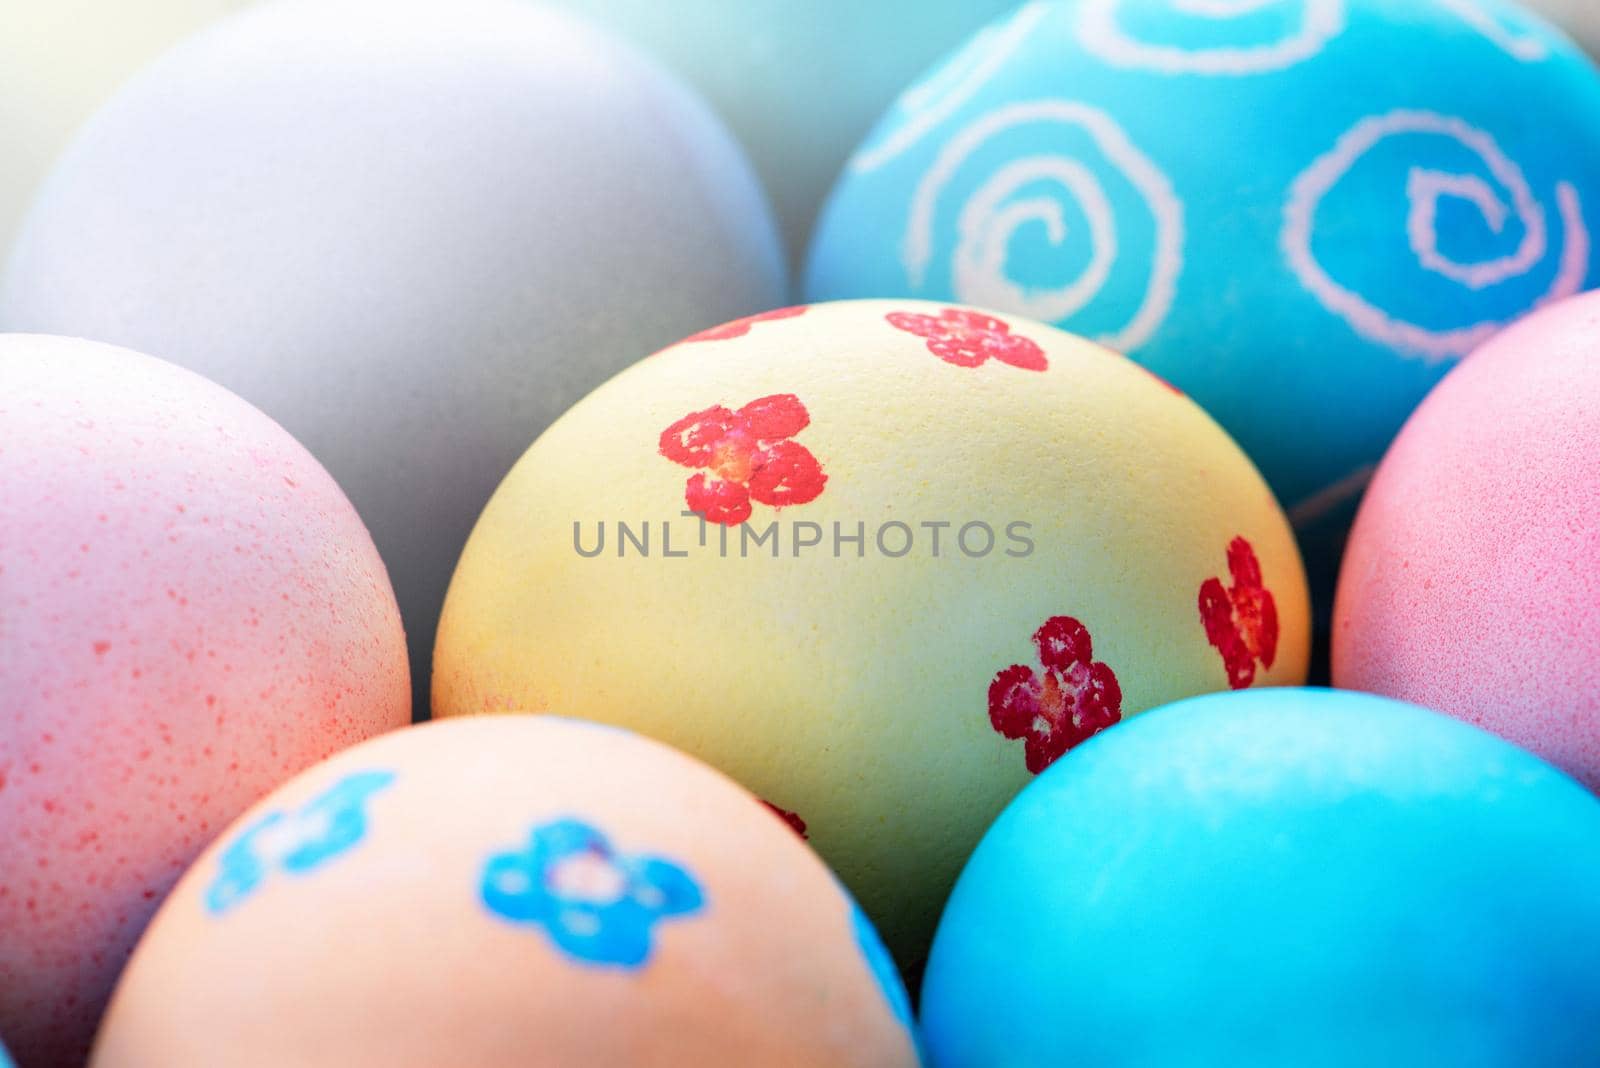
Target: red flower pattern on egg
1241, 620
793, 819
741, 327
748, 456
969, 339
1074, 698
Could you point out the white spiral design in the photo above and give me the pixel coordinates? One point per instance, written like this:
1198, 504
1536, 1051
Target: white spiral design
990, 218
1523, 46
1102, 34
1334, 497
924, 106
1424, 188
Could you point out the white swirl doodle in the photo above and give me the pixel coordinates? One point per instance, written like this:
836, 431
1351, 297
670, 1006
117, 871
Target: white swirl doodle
1332, 498
1101, 34
1424, 189
1523, 46
987, 223
929, 103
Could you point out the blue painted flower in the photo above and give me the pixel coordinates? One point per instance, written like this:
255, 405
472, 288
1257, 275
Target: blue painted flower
295, 842
595, 904
882, 965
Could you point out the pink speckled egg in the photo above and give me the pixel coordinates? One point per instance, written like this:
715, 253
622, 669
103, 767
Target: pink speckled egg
1472, 579
190, 613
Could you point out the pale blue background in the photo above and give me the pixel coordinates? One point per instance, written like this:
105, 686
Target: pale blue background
798, 81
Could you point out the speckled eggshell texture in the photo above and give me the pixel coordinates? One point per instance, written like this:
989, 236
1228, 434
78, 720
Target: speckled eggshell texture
190, 613
1302, 212
412, 232
1105, 548
1472, 582
1305, 877
517, 891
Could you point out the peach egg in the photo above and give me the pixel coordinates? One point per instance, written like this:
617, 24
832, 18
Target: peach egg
190, 613
880, 561
528, 891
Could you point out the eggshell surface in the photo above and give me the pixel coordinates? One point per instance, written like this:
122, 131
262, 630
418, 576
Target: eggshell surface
1278, 877
59, 61
413, 233
1580, 18
524, 890
190, 613
799, 83
876, 663
1302, 212
1472, 582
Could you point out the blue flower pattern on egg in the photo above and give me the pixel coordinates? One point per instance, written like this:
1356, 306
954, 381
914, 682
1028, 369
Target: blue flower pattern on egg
597, 905
295, 842
882, 965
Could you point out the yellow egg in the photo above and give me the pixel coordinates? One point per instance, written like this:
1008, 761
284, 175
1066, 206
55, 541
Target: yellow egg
1050, 540
527, 891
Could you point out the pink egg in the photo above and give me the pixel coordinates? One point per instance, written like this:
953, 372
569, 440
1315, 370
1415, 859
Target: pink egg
1472, 579
190, 613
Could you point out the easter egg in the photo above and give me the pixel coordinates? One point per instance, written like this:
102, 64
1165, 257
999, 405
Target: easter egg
1580, 18
190, 613
1472, 581
881, 562
1273, 204
1303, 877
799, 83
523, 890
59, 61
413, 233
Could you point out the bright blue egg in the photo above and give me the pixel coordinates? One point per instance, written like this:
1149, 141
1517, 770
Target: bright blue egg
1278, 877
1302, 212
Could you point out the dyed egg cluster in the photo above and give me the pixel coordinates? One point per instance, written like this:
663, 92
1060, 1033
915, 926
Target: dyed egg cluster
1370, 220
378, 245
922, 593
859, 549
561, 921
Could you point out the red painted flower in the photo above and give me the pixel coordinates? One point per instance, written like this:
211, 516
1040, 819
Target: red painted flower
797, 824
1075, 698
741, 327
748, 455
1241, 620
969, 338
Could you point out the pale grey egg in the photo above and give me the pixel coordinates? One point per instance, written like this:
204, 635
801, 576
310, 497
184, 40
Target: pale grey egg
412, 233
